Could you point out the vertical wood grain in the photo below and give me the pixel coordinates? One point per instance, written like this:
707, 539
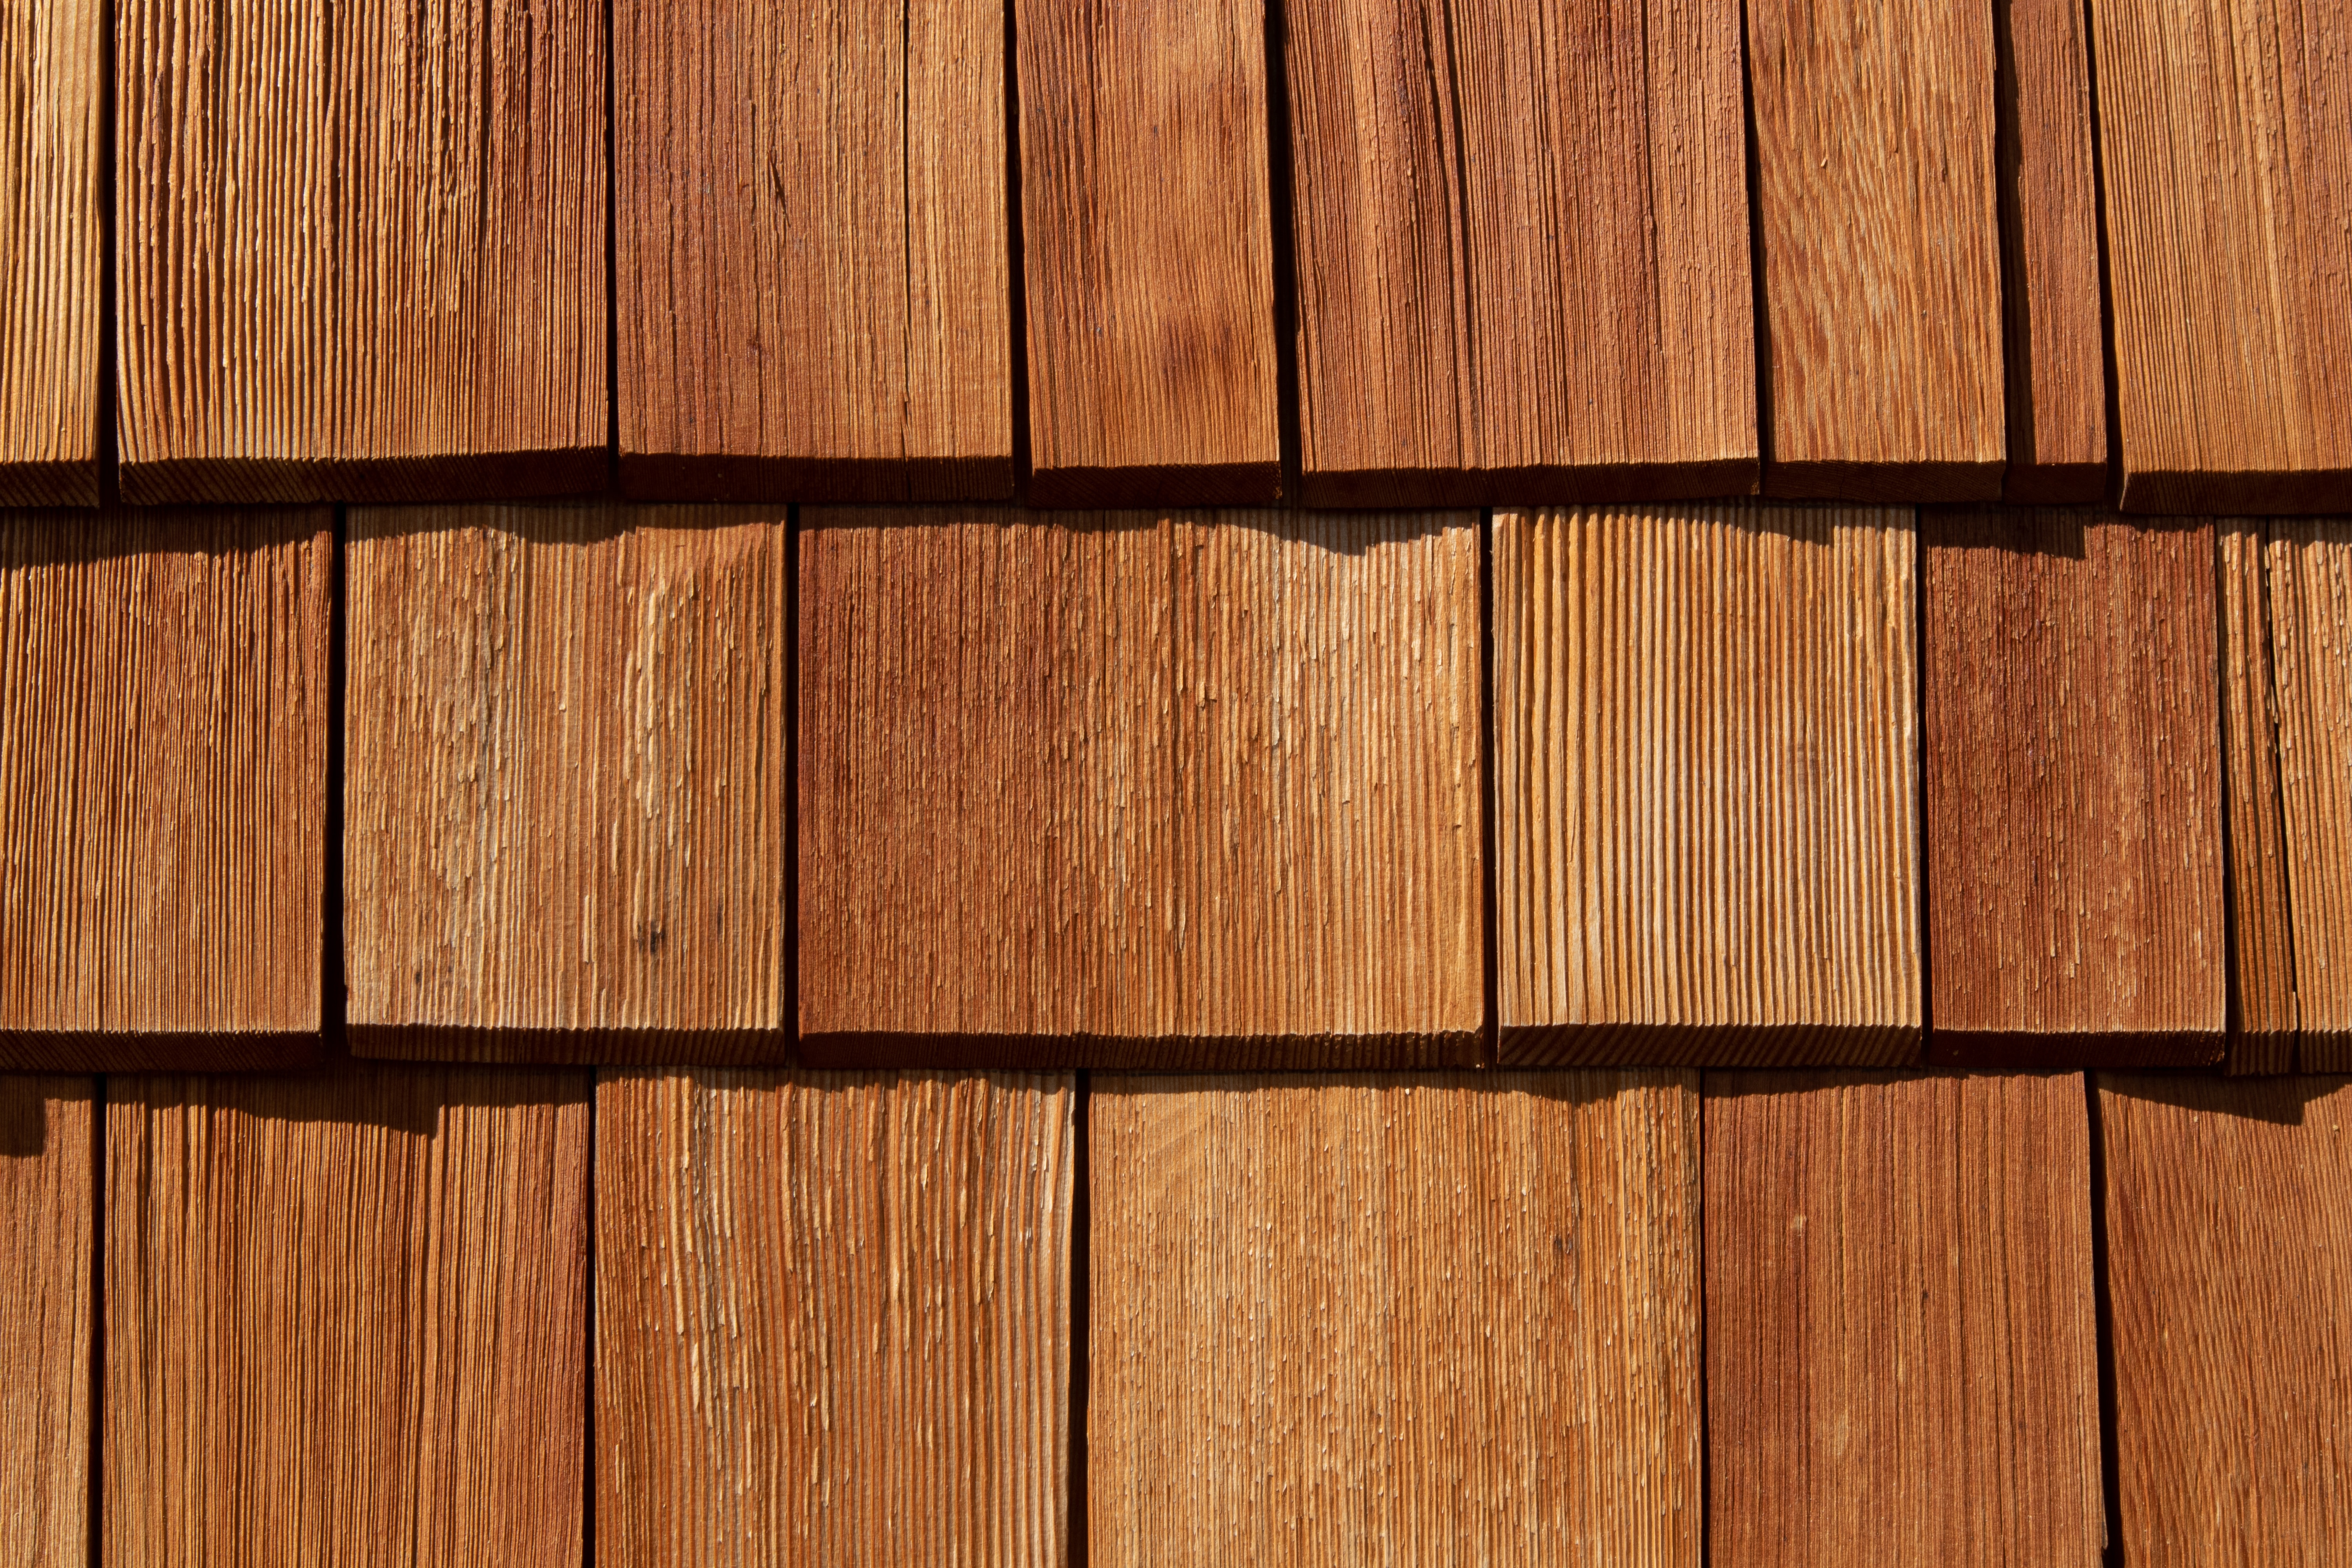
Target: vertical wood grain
2230, 1289
2229, 216
1141, 789
2262, 915
2310, 581
1878, 223
812, 251
47, 1205
1522, 239
346, 1319
163, 787
2051, 302
564, 813
833, 1319
1706, 752
52, 87
2073, 781
1348, 1319
1902, 1365
1148, 248
360, 249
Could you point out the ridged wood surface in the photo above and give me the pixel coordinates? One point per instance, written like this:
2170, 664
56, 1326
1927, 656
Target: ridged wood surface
1878, 219
2056, 339
2311, 624
1140, 789
1148, 247
360, 249
833, 1319
2228, 1206
812, 240
2229, 213
1901, 1361
48, 1170
52, 87
1706, 837
163, 711
1522, 247
2073, 755
1404, 1320
564, 802
2261, 946
346, 1319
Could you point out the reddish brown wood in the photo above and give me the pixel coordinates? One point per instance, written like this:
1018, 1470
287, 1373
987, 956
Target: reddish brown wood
163, 716
1902, 1361
2056, 339
49, 1309
833, 1319
1149, 255
1140, 789
2229, 223
346, 1319
1522, 269
1879, 231
2229, 1220
359, 249
1394, 1319
2073, 783
811, 252
52, 96
565, 823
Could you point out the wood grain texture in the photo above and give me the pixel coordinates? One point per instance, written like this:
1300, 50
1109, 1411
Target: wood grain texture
1148, 252
52, 87
2228, 225
2310, 573
1140, 789
48, 1170
2056, 342
2230, 1292
347, 1318
2263, 1017
564, 801
812, 251
1522, 244
361, 249
1706, 774
1877, 217
1902, 1361
833, 1319
163, 787
2073, 783
1337, 1320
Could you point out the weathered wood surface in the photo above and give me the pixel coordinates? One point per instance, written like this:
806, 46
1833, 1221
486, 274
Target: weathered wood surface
1339, 1321
52, 91
347, 1318
360, 249
2310, 573
1902, 1361
2056, 339
833, 1319
1878, 223
49, 1171
1140, 789
811, 222
1706, 837
2073, 783
163, 711
2229, 1211
565, 823
1148, 253
1523, 270
2229, 216
2263, 1014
